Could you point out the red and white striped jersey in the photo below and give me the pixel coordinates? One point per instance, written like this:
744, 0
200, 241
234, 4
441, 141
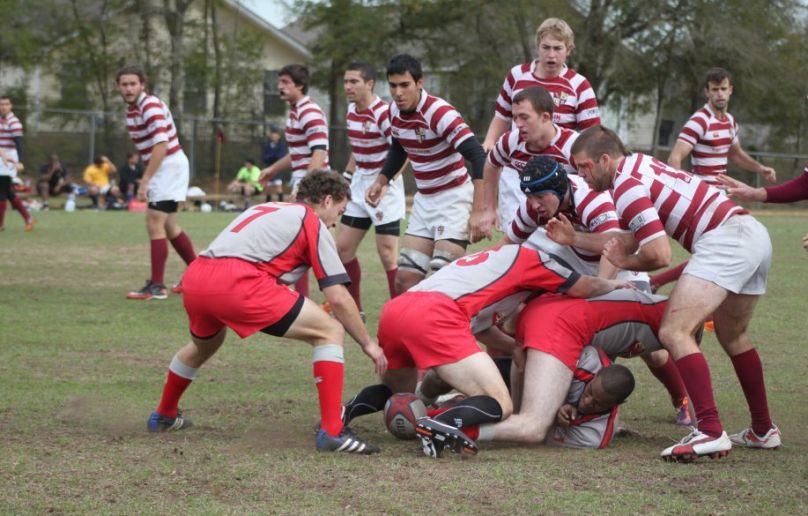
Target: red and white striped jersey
149, 122
430, 135
576, 106
306, 127
369, 134
489, 285
711, 138
10, 128
284, 240
589, 211
511, 150
653, 198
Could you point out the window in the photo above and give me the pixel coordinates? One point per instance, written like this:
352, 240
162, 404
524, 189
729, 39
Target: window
273, 105
665, 132
195, 92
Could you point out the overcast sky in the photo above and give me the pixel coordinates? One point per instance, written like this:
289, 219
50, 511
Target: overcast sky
271, 10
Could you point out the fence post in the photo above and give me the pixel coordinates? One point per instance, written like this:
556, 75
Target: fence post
93, 129
193, 147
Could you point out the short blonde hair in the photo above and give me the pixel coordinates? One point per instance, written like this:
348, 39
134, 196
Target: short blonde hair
557, 28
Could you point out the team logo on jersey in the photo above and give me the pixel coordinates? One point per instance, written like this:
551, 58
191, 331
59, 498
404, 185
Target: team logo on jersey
715, 135
636, 223
366, 126
440, 230
420, 134
560, 98
379, 215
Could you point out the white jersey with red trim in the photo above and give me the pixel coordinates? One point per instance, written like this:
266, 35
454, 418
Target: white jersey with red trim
430, 135
589, 211
306, 127
10, 128
654, 199
576, 106
711, 138
489, 285
511, 150
149, 122
369, 135
284, 240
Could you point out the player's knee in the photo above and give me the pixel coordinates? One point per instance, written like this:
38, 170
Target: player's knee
333, 331
440, 258
412, 261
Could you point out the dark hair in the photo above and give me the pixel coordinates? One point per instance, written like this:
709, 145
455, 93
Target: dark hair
717, 75
403, 63
538, 97
131, 70
367, 72
299, 75
5, 97
599, 140
98, 160
617, 382
131, 155
249, 160
317, 185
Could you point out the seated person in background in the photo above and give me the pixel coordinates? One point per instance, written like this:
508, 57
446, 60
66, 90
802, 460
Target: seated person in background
130, 175
52, 180
274, 150
96, 175
246, 181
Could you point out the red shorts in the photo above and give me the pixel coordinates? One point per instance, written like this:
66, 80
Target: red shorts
554, 324
423, 330
219, 292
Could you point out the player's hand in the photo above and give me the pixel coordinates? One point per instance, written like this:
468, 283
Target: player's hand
623, 284
266, 174
566, 415
143, 190
480, 224
769, 173
560, 230
376, 354
741, 191
519, 358
374, 194
805, 242
615, 251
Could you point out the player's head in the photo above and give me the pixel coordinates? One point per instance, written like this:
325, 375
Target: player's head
718, 88
597, 152
358, 81
544, 181
293, 82
611, 386
406, 80
249, 162
327, 193
274, 134
533, 115
554, 42
131, 80
133, 157
5, 105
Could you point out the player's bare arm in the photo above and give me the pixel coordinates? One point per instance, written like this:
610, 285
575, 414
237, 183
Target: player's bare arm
739, 157
318, 159
394, 162
158, 154
680, 151
496, 128
561, 231
484, 209
274, 169
651, 256
590, 286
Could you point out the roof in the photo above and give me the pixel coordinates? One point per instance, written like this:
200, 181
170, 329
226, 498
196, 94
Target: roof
283, 36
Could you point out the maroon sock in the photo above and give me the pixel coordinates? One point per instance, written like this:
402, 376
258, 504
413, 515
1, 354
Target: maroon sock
355, 273
750, 373
302, 285
391, 281
669, 375
2, 212
696, 375
182, 244
159, 255
663, 278
20, 207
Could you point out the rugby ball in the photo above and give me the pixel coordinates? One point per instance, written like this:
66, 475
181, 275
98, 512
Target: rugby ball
401, 412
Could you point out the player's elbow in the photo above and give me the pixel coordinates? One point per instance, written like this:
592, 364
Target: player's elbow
661, 258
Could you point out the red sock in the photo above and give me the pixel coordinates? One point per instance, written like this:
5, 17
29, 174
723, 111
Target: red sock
172, 391
696, 375
669, 375
182, 244
20, 207
472, 431
2, 212
391, 281
663, 278
329, 372
302, 285
159, 255
355, 273
750, 373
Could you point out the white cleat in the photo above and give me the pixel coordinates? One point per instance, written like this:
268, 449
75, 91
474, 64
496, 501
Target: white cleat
698, 445
749, 439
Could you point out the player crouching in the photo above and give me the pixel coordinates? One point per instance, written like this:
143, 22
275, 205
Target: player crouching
240, 281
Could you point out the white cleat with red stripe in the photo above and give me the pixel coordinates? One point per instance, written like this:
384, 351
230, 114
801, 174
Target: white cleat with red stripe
748, 438
698, 445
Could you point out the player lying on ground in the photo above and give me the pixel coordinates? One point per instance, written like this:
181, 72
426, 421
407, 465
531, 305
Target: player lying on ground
434, 325
240, 281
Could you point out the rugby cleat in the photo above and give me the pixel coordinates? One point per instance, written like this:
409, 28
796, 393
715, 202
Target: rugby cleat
749, 439
696, 445
29, 224
149, 291
442, 436
347, 442
433, 449
159, 423
683, 413
177, 288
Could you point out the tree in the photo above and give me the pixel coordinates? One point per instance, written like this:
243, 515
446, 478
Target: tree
174, 14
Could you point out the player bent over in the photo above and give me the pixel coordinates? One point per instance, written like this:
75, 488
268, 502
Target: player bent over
434, 325
240, 281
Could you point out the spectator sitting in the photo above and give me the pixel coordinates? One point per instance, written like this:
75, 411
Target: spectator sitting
96, 175
274, 149
130, 174
246, 181
53, 180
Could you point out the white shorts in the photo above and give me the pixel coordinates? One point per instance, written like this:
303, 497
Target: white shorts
510, 196
540, 240
442, 215
297, 177
170, 182
736, 256
9, 168
391, 208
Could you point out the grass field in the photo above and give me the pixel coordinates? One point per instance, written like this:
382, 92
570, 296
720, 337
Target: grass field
81, 368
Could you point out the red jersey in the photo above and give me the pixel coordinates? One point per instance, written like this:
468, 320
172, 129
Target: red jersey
149, 122
711, 138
